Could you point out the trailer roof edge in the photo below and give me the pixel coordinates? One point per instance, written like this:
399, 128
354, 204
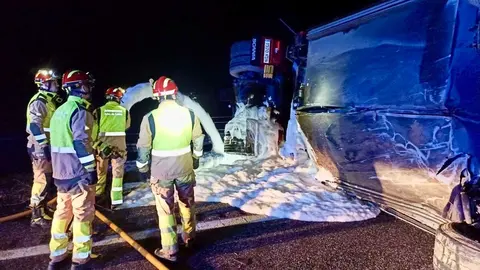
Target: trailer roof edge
356, 18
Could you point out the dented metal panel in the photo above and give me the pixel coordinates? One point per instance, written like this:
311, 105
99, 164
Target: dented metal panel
392, 97
395, 154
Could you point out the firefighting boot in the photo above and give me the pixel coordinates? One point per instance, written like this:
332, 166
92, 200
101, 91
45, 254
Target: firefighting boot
187, 241
83, 266
190, 243
102, 200
58, 265
47, 210
164, 255
39, 218
46, 213
87, 265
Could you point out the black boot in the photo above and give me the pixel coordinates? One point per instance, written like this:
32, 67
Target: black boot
102, 200
164, 255
188, 240
58, 265
39, 218
83, 266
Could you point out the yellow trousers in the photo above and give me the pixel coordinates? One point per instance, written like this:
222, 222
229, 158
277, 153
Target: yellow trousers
164, 191
77, 203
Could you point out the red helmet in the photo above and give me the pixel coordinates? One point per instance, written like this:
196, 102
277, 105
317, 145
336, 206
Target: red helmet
74, 79
115, 93
164, 87
45, 75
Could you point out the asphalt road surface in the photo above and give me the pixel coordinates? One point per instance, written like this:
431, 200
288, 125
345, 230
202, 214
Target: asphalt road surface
381, 243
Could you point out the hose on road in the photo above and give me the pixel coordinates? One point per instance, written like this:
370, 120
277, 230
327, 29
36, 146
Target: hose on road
23, 214
112, 225
130, 240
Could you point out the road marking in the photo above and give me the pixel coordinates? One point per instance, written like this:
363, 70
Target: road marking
139, 235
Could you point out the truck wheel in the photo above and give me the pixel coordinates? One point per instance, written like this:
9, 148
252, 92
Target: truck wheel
457, 246
240, 55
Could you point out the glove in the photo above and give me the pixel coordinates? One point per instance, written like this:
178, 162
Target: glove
104, 150
92, 177
116, 153
196, 162
46, 152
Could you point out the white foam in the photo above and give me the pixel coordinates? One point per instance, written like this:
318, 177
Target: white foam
205, 119
287, 186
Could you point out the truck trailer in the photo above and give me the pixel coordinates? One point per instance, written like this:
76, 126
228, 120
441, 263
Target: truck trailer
390, 105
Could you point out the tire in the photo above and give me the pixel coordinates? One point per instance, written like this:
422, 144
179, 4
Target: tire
454, 250
240, 55
240, 61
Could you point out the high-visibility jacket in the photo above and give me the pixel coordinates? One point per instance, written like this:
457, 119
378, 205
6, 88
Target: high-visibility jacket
167, 132
113, 120
73, 130
40, 110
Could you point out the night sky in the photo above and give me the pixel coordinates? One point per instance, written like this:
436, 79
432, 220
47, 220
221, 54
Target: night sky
125, 44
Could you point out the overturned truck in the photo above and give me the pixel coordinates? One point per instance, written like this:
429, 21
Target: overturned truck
390, 107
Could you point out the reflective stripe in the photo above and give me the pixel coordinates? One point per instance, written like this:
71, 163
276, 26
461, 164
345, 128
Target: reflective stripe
141, 165
167, 230
87, 159
58, 236
71, 73
40, 137
63, 150
59, 252
117, 188
165, 82
46, 129
81, 255
117, 202
120, 111
198, 153
81, 239
112, 133
171, 153
164, 93
87, 128
91, 167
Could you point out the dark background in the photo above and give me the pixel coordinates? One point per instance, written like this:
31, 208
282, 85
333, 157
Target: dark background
127, 42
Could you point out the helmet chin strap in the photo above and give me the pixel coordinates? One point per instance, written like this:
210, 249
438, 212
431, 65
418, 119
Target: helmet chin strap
169, 97
48, 87
116, 99
78, 92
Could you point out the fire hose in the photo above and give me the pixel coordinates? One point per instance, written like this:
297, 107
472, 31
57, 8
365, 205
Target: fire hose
112, 225
24, 213
130, 240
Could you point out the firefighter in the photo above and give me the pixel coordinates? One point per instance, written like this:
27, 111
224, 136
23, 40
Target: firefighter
39, 112
166, 133
73, 130
113, 120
